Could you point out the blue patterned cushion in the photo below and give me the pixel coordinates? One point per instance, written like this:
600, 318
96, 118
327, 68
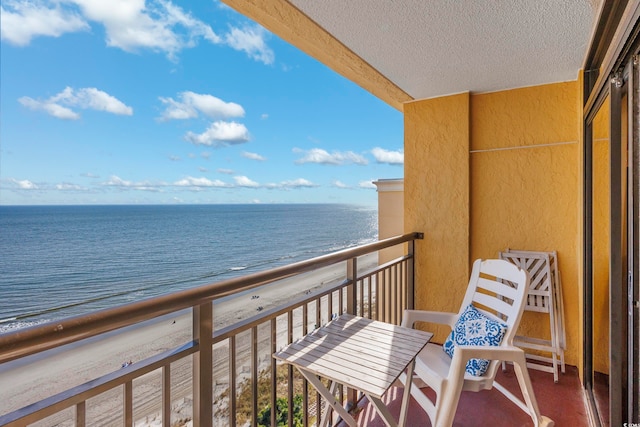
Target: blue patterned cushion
474, 328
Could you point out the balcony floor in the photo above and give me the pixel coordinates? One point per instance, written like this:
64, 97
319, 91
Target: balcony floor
562, 402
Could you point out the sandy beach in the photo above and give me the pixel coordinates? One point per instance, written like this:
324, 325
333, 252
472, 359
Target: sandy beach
29, 380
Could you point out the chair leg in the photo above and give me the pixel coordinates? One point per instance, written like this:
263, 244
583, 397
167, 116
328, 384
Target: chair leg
449, 395
520, 366
446, 411
425, 403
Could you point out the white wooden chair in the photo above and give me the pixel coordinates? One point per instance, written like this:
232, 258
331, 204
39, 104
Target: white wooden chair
498, 290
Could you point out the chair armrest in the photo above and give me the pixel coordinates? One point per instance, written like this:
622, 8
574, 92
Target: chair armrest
506, 353
463, 353
410, 317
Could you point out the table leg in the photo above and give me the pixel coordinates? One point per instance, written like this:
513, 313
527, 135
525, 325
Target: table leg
326, 417
329, 397
383, 411
406, 397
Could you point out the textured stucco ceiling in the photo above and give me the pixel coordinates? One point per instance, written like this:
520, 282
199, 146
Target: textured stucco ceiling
437, 47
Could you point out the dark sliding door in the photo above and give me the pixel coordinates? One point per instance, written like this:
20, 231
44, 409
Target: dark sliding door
633, 259
619, 250
612, 240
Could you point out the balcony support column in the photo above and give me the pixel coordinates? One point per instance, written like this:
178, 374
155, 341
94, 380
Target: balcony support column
203, 365
437, 195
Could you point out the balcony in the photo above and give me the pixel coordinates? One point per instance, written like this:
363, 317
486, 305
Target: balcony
223, 374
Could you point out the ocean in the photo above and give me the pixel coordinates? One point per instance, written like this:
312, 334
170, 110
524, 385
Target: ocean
61, 261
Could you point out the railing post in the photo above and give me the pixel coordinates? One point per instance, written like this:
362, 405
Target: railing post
81, 414
411, 251
166, 395
203, 365
352, 290
128, 404
254, 376
274, 371
352, 297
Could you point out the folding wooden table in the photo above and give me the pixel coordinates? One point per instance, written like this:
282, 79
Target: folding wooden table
363, 354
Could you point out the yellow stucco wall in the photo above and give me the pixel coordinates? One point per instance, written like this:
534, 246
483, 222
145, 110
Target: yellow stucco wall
493, 171
525, 173
436, 187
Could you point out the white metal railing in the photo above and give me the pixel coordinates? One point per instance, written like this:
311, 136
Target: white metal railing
227, 368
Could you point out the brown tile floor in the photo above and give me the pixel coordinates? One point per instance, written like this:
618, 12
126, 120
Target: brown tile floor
562, 402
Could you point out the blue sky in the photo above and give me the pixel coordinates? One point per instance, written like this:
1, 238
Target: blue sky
126, 102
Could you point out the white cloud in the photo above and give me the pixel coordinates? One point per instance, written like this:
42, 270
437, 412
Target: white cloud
203, 169
340, 184
21, 21
320, 156
190, 104
24, 184
117, 182
28, 185
251, 40
199, 182
95, 99
385, 156
243, 181
197, 28
225, 171
176, 110
85, 98
220, 133
264, 116
66, 186
130, 25
205, 155
212, 106
253, 156
367, 184
187, 183
175, 158
50, 108
296, 183
157, 25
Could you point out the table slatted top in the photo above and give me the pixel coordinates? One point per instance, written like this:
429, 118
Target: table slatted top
361, 353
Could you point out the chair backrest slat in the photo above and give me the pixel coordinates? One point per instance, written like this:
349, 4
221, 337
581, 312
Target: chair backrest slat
497, 288
499, 309
501, 286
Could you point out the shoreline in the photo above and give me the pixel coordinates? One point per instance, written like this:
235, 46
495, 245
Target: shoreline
38, 376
